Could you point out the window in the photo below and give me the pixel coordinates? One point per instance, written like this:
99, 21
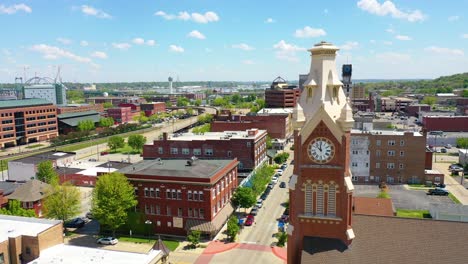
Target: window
200, 196
152, 209
179, 212
436, 179
217, 188
201, 213
391, 142
378, 142
160, 150
168, 210
189, 212
331, 208
179, 195
308, 203
147, 194
355, 152
377, 153
174, 194
195, 196
402, 153
377, 165
157, 193
174, 150
390, 165
197, 151
189, 195
158, 210
354, 142
354, 164
195, 213
136, 191
169, 224
158, 223
146, 209
402, 166
229, 153
2, 257
213, 193
222, 184
248, 144
391, 153
367, 164
402, 142
168, 194
319, 200
186, 151
209, 152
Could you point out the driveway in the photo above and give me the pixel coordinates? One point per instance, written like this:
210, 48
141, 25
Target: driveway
403, 198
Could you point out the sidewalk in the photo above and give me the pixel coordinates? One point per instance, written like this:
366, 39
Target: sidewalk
452, 185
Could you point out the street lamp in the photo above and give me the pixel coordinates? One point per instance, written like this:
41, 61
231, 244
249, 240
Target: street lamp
149, 223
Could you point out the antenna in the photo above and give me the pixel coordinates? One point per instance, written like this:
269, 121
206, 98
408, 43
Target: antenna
58, 77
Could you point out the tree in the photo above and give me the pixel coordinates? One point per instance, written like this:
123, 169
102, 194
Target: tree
113, 195
281, 158
86, 125
384, 194
282, 238
46, 173
197, 102
106, 122
232, 227
182, 101
189, 111
465, 92
62, 202
107, 105
14, 208
194, 238
244, 197
168, 104
75, 96
269, 143
429, 100
116, 142
462, 143
136, 142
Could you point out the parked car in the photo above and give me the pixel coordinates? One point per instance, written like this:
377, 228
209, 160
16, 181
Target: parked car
274, 180
104, 153
75, 223
448, 146
264, 196
284, 218
259, 203
440, 185
279, 171
282, 184
438, 191
94, 160
89, 215
107, 240
254, 211
455, 168
270, 186
443, 150
267, 191
250, 220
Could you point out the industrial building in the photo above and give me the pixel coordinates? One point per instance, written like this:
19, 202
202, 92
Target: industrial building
45, 88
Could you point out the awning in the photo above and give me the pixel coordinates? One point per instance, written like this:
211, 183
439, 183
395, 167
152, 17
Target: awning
213, 226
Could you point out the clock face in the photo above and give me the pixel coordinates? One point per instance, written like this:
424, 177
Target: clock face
346, 69
321, 150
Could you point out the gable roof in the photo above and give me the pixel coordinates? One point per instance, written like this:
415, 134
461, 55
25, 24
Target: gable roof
381, 239
31, 191
373, 206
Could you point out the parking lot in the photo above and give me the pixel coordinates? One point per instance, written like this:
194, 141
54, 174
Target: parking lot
403, 198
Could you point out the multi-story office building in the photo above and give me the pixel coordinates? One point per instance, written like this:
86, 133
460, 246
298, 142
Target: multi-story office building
249, 147
52, 92
182, 195
153, 108
121, 114
27, 121
281, 94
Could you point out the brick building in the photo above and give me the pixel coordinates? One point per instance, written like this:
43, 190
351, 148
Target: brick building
414, 109
394, 104
121, 115
281, 95
249, 147
153, 108
277, 126
27, 121
31, 195
445, 123
68, 122
182, 195
114, 100
389, 156
76, 108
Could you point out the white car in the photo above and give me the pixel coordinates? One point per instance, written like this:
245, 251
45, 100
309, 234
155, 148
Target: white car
107, 241
274, 180
279, 171
259, 203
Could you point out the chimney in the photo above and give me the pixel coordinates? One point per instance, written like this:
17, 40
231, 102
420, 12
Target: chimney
165, 136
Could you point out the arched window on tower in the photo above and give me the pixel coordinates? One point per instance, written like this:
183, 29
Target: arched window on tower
319, 199
308, 203
331, 204
309, 92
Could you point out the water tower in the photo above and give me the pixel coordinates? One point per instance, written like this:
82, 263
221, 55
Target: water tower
170, 79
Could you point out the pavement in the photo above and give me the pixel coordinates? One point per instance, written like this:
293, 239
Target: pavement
452, 185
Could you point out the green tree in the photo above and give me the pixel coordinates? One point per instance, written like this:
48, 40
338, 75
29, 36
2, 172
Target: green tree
269, 143
46, 173
182, 101
281, 158
205, 118
115, 142
106, 122
243, 197
282, 238
202, 129
14, 208
462, 143
75, 96
429, 100
86, 125
107, 105
113, 196
136, 142
168, 104
197, 102
194, 238
465, 92
232, 227
189, 111
220, 101
384, 194
62, 202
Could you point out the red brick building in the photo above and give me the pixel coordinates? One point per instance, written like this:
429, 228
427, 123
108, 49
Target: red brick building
121, 115
115, 100
281, 95
249, 147
153, 108
445, 123
31, 195
277, 126
414, 109
182, 195
27, 121
70, 108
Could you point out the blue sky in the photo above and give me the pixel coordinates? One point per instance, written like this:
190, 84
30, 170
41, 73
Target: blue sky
110, 41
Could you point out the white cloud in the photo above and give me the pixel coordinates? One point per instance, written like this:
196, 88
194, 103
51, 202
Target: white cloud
444, 51
121, 46
195, 17
286, 51
389, 8
308, 32
270, 20
52, 53
9, 10
150, 42
453, 18
196, 34
99, 54
91, 11
64, 41
403, 37
349, 45
138, 41
175, 48
465, 36
248, 62
84, 43
242, 46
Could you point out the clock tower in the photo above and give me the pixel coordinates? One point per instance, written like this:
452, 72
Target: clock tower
320, 194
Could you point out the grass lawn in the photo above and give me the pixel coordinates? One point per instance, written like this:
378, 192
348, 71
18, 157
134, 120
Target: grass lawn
171, 244
127, 150
82, 145
413, 213
454, 199
34, 146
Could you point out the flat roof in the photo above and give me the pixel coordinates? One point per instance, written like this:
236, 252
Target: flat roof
23, 103
177, 168
385, 132
77, 114
225, 135
14, 226
288, 110
49, 155
77, 255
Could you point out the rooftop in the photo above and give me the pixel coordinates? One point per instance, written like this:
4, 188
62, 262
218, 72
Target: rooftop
373, 206
14, 226
177, 168
32, 190
49, 155
385, 132
77, 114
276, 111
226, 135
23, 103
9, 187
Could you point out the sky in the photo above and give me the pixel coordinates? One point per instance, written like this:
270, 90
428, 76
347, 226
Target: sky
220, 40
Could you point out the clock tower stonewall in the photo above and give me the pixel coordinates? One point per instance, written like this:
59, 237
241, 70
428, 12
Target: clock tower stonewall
320, 194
